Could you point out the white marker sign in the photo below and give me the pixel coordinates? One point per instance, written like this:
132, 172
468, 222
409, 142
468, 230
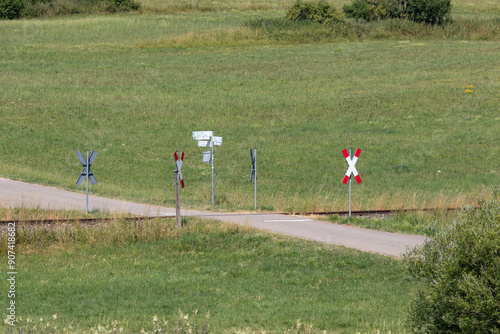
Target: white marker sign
202, 135
217, 140
203, 143
207, 139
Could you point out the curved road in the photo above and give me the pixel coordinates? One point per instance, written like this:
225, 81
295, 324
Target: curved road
16, 193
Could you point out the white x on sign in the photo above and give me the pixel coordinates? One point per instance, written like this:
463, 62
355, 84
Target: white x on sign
351, 163
178, 165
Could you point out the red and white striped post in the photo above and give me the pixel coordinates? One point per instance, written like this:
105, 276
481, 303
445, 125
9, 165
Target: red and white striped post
177, 176
351, 170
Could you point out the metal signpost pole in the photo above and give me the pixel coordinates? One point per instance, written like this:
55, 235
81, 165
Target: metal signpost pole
349, 188
207, 139
255, 157
212, 146
253, 173
178, 178
351, 170
177, 200
87, 172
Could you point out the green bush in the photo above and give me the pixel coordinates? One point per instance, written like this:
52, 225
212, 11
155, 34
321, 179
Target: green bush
11, 9
425, 11
428, 11
122, 5
368, 9
459, 272
37, 8
319, 12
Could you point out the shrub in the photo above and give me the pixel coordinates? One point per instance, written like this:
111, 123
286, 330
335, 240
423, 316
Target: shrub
37, 8
122, 5
319, 12
459, 271
11, 9
368, 9
425, 11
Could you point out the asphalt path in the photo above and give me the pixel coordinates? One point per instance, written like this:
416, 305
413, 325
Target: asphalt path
16, 193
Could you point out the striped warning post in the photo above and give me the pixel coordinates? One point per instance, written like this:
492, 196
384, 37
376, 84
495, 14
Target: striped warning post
352, 169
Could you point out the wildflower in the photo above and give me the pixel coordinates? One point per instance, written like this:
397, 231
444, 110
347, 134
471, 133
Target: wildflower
469, 91
469, 86
54, 316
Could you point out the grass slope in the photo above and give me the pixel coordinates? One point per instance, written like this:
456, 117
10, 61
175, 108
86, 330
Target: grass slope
424, 112
121, 275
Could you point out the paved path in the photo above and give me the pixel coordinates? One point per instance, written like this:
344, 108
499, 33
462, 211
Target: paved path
16, 193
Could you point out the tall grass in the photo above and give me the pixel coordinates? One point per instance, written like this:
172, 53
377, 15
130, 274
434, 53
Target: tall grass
285, 31
122, 275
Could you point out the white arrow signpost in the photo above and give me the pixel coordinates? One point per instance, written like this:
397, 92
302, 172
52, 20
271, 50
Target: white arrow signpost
351, 170
207, 139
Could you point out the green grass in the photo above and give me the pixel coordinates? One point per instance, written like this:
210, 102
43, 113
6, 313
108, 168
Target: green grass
419, 222
248, 281
134, 87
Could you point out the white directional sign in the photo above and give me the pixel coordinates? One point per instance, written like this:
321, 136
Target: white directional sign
207, 139
206, 157
178, 165
352, 168
202, 135
217, 140
204, 143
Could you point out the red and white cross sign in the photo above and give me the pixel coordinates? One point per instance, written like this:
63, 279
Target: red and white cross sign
351, 163
178, 165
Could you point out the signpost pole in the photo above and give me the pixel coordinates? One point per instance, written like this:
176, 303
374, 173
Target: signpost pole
206, 139
87, 172
255, 157
177, 200
349, 188
212, 146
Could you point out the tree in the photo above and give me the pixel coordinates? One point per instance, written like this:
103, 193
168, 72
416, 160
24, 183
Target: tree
459, 272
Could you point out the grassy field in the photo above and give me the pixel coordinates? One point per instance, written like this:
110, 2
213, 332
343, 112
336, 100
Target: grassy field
137, 105
460, 7
78, 279
423, 110
421, 103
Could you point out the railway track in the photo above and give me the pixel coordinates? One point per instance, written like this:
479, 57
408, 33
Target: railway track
91, 221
